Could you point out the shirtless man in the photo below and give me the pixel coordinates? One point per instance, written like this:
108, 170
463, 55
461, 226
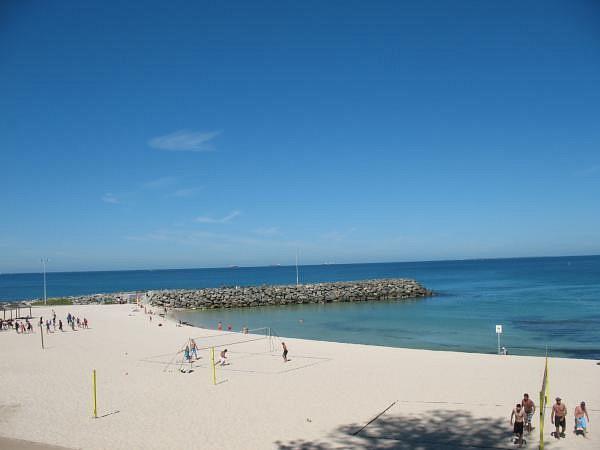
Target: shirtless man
559, 412
518, 414
581, 418
529, 408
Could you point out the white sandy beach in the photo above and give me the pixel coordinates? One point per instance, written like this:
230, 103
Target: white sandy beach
320, 399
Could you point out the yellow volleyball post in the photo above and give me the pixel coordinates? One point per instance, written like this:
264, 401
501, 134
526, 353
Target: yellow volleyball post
95, 400
543, 402
214, 369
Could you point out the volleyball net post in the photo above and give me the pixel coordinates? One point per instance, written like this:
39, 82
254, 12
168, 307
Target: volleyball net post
212, 363
543, 402
94, 394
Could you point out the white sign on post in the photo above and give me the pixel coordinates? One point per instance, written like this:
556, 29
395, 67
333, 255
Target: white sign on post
498, 333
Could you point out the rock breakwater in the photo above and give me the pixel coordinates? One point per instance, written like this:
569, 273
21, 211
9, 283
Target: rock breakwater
249, 296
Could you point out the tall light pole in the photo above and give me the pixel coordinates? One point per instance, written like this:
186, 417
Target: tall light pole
44, 261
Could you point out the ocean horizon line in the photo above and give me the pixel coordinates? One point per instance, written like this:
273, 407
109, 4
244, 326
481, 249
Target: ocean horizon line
233, 266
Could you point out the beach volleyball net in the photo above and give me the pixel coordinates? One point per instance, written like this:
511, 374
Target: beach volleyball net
248, 341
544, 393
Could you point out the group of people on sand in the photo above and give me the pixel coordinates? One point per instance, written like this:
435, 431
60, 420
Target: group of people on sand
72, 321
223, 356
25, 327
22, 327
522, 416
229, 327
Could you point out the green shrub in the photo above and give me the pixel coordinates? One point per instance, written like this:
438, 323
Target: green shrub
53, 302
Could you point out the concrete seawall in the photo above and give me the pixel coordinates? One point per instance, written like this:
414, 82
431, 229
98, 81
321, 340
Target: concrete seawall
249, 296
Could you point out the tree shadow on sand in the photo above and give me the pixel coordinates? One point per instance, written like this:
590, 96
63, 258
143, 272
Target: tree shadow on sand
437, 430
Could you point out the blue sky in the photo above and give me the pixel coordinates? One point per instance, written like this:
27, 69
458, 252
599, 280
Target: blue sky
195, 134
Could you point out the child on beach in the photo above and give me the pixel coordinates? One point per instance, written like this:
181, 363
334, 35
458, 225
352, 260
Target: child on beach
581, 418
60, 327
194, 348
219, 326
223, 359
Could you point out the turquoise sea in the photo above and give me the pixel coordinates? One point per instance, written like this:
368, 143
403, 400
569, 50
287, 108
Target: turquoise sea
542, 303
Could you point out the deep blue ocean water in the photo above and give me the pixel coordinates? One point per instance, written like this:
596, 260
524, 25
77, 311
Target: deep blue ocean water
551, 303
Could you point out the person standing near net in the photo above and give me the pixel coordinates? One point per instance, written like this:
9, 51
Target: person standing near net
529, 408
194, 348
518, 414
558, 417
285, 352
223, 358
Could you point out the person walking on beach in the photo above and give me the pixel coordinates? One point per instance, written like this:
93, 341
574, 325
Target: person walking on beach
285, 352
193, 348
581, 419
518, 414
529, 408
219, 326
85, 323
558, 417
60, 325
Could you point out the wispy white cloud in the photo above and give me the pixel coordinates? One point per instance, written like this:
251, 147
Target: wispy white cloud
185, 140
158, 183
185, 192
225, 219
110, 198
267, 231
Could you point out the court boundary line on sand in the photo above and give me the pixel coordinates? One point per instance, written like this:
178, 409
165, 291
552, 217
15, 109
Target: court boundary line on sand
205, 364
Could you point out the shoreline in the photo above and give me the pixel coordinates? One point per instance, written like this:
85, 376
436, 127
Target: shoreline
335, 389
